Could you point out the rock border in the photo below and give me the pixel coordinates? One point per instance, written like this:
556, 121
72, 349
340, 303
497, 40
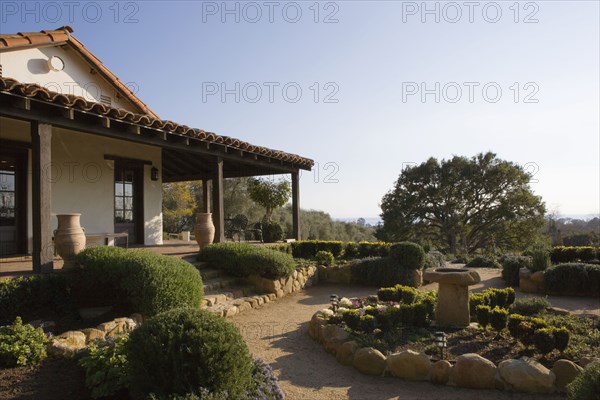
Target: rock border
469, 371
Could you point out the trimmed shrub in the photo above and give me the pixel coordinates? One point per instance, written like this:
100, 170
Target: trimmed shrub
477, 299
483, 315
309, 248
498, 318
272, 232
373, 249
483, 262
21, 344
420, 314
587, 384
352, 319
242, 259
407, 294
408, 255
540, 257
150, 283
530, 306
407, 314
543, 340
514, 325
106, 367
184, 350
573, 279
368, 323
388, 294
324, 258
284, 247
565, 254
434, 259
561, 338
382, 272
527, 331
34, 296
511, 266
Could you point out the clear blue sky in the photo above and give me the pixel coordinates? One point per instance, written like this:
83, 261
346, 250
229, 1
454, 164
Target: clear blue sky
370, 62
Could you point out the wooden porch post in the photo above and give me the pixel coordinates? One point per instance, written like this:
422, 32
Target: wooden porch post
217, 194
206, 183
41, 141
296, 205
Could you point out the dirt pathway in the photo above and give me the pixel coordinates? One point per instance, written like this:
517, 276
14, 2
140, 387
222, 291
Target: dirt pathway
277, 333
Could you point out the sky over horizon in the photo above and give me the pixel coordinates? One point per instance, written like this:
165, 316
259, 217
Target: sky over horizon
364, 87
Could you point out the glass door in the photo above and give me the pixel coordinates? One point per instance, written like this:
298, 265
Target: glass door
13, 203
128, 202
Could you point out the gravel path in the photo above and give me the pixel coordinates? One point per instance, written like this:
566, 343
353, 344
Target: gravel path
277, 333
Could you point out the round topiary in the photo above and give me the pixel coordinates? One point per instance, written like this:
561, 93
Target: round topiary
408, 255
272, 232
483, 315
324, 258
184, 350
498, 318
561, 338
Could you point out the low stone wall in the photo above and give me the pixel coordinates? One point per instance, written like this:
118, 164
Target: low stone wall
71, 343
469, 370
301, 278
531, 282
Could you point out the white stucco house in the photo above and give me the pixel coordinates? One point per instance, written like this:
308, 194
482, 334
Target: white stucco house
75, 139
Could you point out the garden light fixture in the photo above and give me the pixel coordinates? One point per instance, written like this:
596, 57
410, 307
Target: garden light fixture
441, 341
335, 302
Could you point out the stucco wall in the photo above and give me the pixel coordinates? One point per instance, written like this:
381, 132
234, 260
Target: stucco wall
30, 66
83, 181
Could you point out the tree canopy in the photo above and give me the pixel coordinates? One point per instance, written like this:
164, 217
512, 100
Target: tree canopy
463, 204
269, 195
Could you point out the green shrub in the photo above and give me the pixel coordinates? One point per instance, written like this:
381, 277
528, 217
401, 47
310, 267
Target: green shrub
309, 248
150, 283
373, 249
368, 323
514, 325
434, 259
483, 315
573, 279
407, 294
242, 259
499, 297
21, 344
183, 350
540, 257
35, 296
351, 250
543, 340
408, 255
106, 367
498, 318
461, 259
272, 232
511, 266
420, 314
429, 299
407, 314
561, 338
382, 272
483, 262
324, 258
477, 299
283, 247
565, 254
388, 294
352, 319
530, 306
527, 330
587, 384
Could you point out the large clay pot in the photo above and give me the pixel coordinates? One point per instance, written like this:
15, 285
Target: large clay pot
69, 238
204, 229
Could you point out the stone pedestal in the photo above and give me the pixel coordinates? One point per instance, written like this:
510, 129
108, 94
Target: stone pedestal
452, 308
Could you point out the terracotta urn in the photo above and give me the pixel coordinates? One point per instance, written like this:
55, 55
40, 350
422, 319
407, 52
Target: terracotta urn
69, 238
204, 231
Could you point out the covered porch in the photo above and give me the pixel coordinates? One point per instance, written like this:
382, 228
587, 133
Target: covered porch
180, 153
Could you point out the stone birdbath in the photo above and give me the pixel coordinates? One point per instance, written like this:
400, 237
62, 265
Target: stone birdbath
452, 308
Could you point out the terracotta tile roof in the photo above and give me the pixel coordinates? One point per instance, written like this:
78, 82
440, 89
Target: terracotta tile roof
62, 36
34, 91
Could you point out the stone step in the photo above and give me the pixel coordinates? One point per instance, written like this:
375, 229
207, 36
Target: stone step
220, 296
236, 306
218, 283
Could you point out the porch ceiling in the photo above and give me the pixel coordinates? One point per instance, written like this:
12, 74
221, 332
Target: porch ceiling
188, 154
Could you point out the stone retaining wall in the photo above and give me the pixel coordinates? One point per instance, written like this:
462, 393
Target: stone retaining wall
469, 370
301, 278
531, 282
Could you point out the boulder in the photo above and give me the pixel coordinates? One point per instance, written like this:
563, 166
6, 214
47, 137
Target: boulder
314, 327
369, 361
585, 361
67, 344
92, 334
527, 375
271, 286
231, 310
473, 371
345, 354
333, 337
409, 365
565, 371
440, 372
